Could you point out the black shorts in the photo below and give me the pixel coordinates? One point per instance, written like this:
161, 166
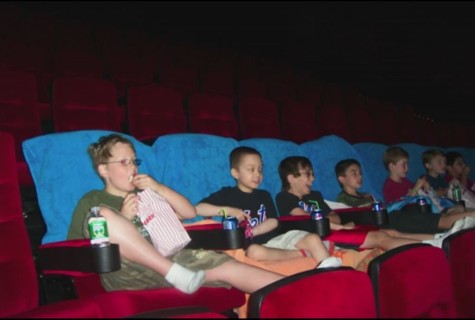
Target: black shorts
414, 221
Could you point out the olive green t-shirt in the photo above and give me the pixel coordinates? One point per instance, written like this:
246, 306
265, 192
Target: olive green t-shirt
361, 200
134, 276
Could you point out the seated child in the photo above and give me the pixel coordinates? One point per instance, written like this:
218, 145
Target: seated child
142, 266
459, 170
296, 197
246, 201
397, 186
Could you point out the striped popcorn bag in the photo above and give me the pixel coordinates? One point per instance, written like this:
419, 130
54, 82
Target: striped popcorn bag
167, 233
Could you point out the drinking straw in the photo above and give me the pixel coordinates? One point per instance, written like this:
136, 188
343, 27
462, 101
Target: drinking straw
315, 203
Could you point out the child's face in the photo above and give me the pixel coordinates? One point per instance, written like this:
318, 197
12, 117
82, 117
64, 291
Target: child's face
118, 176
437, 165
302, 184
400, 168
248, 173
353, 178
457, 168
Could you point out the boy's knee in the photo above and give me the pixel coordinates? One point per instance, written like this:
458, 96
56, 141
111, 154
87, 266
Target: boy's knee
255, 251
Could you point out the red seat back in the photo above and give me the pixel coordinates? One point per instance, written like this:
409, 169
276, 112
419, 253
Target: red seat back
461, 256
413, 281
155, 110
319, 293
212, 114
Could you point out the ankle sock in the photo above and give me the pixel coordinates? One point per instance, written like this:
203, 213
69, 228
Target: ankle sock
184, 279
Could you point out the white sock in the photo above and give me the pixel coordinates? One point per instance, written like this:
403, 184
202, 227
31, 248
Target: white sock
435, 242
184, 279
330, 262
468, 222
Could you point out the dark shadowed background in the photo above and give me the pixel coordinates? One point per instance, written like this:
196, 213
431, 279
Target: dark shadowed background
417, 52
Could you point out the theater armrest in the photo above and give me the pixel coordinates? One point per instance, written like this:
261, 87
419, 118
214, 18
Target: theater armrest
71, 256
214, 237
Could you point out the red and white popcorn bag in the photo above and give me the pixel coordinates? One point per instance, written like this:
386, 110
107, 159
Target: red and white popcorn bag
160, 220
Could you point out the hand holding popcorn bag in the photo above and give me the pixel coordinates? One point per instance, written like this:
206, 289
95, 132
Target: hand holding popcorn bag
159, 219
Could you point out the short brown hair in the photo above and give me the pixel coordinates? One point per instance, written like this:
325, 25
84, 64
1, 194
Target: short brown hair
430, 154
394, 154
292, 165
100, 151
236, 155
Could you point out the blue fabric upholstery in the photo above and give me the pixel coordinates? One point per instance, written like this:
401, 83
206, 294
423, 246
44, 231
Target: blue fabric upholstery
371, 155
194, 164
273, 151
324, 153
62, 171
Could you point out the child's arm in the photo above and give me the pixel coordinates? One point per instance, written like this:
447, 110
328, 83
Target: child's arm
420, 183
210, 210
183, 208
335, 222
265, 226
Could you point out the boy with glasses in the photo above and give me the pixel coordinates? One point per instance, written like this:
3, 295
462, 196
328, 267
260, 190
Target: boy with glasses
142, 266
297, 198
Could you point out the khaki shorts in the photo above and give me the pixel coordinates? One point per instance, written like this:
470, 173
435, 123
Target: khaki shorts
287, 240
133, 276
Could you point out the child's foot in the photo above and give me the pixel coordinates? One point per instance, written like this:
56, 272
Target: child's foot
468, 222
184, 279
330, 262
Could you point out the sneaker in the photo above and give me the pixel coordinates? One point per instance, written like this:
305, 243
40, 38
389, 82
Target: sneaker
331, 262
457, 226
435, 242
468, 222
440, 235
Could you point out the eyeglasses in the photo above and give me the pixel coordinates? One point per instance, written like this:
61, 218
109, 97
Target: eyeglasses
127, 162
308, 174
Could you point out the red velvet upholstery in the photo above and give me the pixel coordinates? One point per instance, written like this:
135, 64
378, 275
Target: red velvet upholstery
19, 285
19, 113
299, 122
212, 114
362, 125
155, 110
413, 281
331, 119
252, 87
219, 83
181, 79
81, 103
259, 118
318, 293
122, 303
460, 251
77, 63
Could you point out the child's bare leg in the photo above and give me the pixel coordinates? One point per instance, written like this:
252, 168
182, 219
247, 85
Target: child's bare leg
313, 244
415, 236
134, 247
447, 220
259, 252
381, 240
242, 276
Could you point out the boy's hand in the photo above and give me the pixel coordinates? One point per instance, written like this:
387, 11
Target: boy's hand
144, 181
130, 206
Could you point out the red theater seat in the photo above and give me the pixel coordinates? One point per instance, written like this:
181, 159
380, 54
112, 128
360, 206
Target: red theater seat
212, 114
460, 252
413, 281
318, 293
259, 118
155, 110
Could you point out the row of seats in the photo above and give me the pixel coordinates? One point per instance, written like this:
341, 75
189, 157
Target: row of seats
81, 103
408, 282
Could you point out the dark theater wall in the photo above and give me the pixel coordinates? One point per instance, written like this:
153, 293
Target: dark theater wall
415, 52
